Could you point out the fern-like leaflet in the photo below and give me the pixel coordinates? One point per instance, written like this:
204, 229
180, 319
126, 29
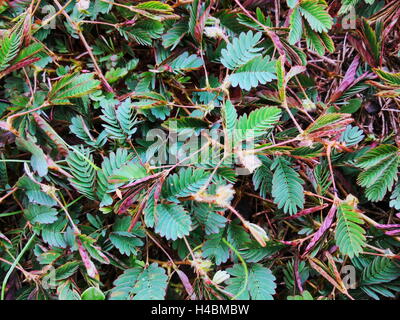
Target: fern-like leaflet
230, 117
378, 278
352, 136
119, 122
262, 177
257, 123
215, 249
109, 166
186, 62
316, 15
72, 86
126, 242
316, 24
287, 189
80, 128
257, 71
260, 286
140, 284
10, 44
83, 171
208, 218
395, 197
241, 50
296, 26
172, 221
381, 168
349, 235
185, 183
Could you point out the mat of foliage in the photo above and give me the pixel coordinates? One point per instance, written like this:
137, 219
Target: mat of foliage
92, 208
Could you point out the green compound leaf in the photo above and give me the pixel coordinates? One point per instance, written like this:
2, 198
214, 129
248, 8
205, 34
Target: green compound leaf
287, 187
392, 79
126, 242
296, 26
241, 50
120, 121
381, 168
257, 71
208, 218
72, 86
261, 282
349, 235
80, 162
40, 214
172, 221
316, 15
214, 248
380, 270
257, 123
140, 284
186, 182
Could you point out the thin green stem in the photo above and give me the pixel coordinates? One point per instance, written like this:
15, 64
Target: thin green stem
246, 271
7, 214
3, 288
